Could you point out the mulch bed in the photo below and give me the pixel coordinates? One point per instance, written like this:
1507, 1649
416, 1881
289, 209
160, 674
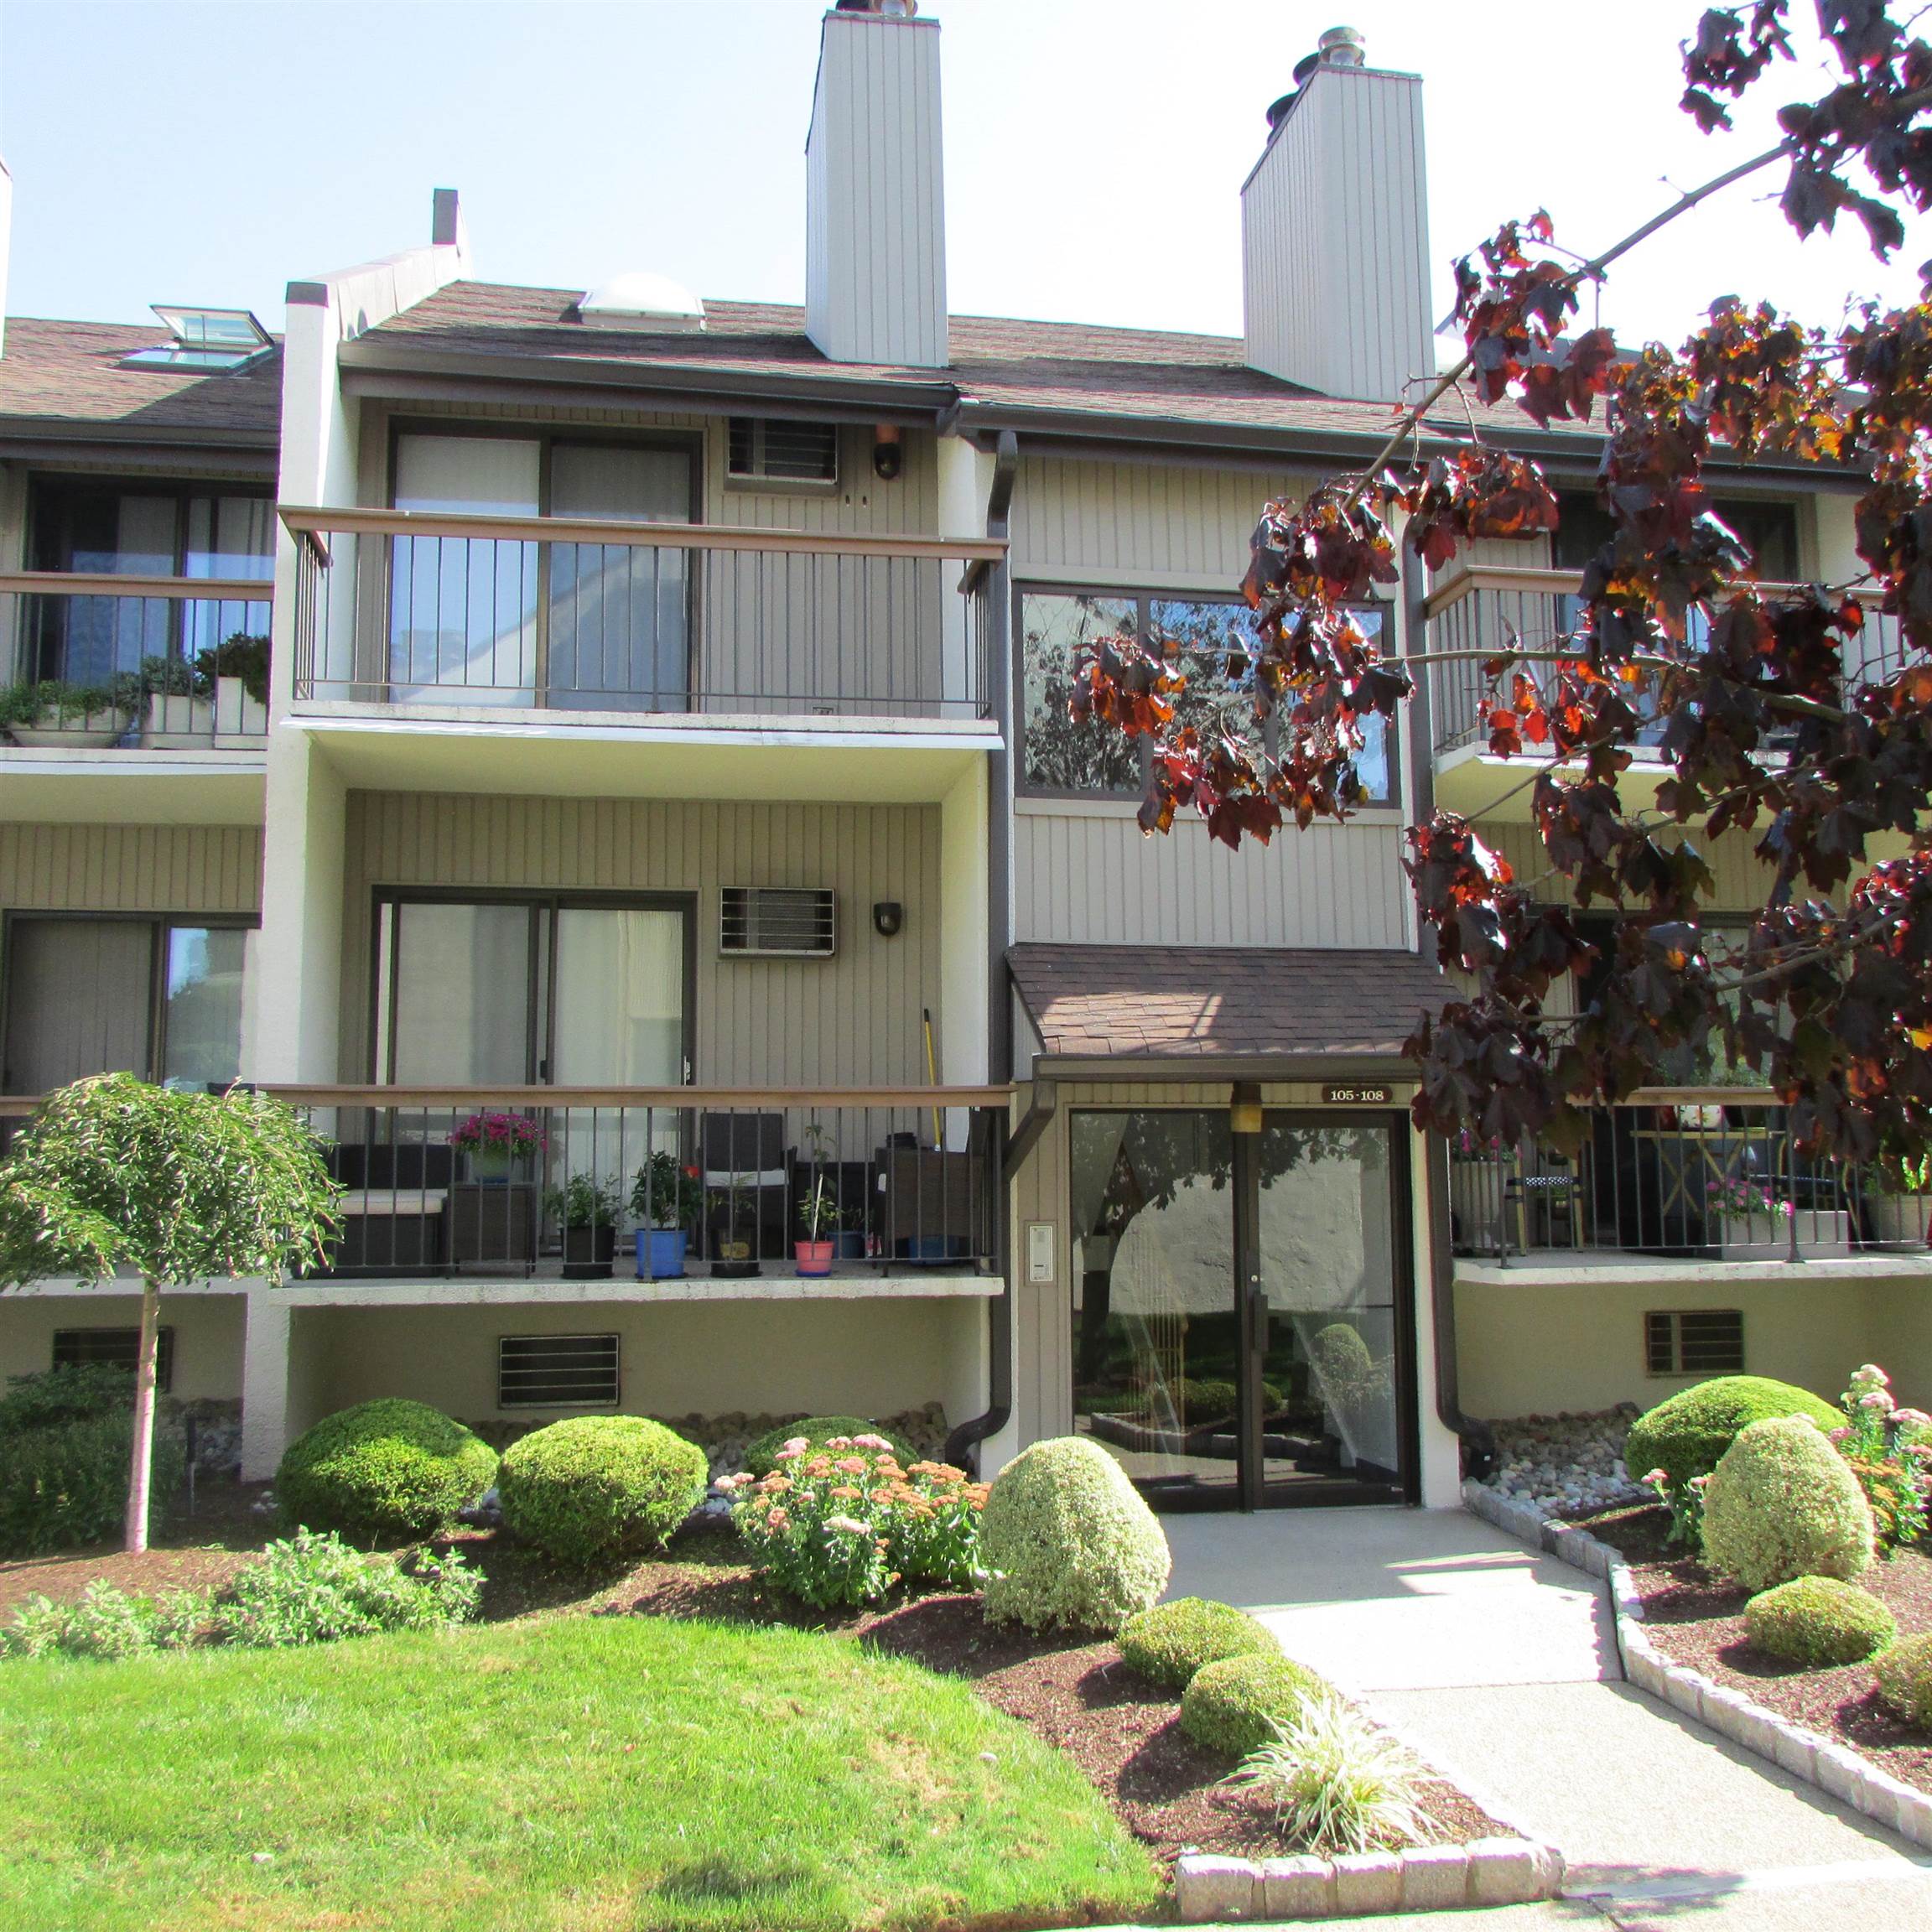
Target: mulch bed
1697, 1619
1079, 1696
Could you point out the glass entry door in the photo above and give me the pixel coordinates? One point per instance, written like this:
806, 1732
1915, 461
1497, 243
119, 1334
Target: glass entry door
1241, 1314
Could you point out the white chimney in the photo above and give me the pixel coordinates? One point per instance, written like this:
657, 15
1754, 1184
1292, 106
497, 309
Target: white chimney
1335, 232
5, 245
874, 198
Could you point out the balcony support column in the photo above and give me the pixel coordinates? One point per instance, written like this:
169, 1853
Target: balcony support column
265, 1365
296, 997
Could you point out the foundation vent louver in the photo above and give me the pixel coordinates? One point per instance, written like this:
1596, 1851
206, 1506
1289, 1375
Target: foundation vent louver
778, 922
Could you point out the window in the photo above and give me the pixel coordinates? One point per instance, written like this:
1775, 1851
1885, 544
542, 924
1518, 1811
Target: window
161, 998
1768, 531
209, 340
1694, 1342
1214, 644
556, 1372
118, 1348
143, 530
770, 448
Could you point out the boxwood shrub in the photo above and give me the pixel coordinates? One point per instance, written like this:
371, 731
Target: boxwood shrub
388, 1468
1905, 1681
1234, 1706
1068, 1542
598, 1487
818, 1431
1818, 1621
1684, 1436
1168, 1643
1784, 1503
66, 1439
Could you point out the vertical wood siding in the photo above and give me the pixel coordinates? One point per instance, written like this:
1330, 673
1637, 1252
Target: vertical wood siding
1183, 518
131, 868
1099, 880
1741, 879
1334, 234
850, 1020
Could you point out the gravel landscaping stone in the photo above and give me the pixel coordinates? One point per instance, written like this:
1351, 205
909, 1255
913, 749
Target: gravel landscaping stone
1565, 1465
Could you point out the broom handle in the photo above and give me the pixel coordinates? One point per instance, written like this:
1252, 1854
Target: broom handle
932, 1075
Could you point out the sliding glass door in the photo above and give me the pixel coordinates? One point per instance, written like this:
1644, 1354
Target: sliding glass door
1241, 1307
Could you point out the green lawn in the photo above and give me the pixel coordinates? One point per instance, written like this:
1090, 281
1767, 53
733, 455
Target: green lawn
584, 1772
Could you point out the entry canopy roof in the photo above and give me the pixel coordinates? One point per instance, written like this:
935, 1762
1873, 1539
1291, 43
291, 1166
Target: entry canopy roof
1211, 1008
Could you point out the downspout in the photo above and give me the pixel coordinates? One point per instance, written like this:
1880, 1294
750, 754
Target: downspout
1475, 1437
996, 668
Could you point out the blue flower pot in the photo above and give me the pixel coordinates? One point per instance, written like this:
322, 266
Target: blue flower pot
660, 1254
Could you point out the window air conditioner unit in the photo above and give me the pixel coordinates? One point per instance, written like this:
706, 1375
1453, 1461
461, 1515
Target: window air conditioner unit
778, 922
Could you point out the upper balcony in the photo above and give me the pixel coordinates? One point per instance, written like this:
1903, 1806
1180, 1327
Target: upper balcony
590, 634
134, 699
1487, 612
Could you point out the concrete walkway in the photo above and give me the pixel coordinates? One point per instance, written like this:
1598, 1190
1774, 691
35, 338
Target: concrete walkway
1499, 1665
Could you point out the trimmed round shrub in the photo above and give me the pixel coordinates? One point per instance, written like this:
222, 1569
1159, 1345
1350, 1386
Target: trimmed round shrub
1782, 1503
65, 1483
597, 1487
818, 1431
1905, 1681
1168, 1643
1234, 1706
1818, 1621
385, 1468
1684, 1436
1068, 1542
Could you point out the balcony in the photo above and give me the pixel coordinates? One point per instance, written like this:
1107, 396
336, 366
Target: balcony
134, 699
642, 623
1489, 612
663, 1194
1685, 1176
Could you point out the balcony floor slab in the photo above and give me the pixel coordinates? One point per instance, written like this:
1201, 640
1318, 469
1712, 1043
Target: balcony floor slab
1596, 1268
53, 785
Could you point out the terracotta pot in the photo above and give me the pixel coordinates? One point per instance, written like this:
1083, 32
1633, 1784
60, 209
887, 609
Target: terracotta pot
814, 1257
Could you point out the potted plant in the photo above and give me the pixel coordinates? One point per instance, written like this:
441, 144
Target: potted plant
854, 1225
817, 1222
733, 1213
496, 1144
666, 1198
177, 711
235, 671
588, 1209
1896, 1210
56, 714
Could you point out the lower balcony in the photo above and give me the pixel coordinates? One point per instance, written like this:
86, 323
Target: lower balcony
1702, 1175
660, 1194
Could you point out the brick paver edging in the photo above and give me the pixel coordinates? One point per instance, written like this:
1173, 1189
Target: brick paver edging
1818, 1760
1424, 1878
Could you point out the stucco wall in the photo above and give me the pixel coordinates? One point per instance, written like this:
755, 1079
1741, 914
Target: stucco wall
853, 1357
1534, 1347
208, 1334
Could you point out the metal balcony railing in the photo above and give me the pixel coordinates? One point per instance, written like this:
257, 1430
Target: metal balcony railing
1487, 612
737, 1184
1705, 1173
572, 615
154, 663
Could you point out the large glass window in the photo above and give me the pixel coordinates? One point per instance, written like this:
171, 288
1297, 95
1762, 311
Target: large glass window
159, 998
1213, 641
144, 530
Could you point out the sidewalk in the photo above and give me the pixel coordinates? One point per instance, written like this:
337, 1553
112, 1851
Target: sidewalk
1498, 1663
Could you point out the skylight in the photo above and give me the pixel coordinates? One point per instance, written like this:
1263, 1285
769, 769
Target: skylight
203, 338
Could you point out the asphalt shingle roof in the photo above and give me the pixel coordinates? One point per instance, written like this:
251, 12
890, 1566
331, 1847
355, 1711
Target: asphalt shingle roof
1007, 363
69, 373
1207, 1003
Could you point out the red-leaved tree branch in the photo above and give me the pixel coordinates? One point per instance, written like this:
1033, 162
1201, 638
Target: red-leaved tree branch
1775, 721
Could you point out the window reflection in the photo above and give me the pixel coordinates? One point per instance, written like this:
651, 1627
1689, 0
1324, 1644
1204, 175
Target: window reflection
1062, 756
207, 968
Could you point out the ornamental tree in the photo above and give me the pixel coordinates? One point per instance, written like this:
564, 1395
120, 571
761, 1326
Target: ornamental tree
111, 1176
1777, 722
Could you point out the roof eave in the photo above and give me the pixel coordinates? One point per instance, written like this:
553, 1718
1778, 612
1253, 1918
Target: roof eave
694, 385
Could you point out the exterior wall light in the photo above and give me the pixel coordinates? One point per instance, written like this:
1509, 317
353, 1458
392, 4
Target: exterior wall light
888, 456
888, 915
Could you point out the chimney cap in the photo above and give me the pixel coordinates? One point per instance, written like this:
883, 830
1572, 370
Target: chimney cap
1342, 47
642, 300
887, 9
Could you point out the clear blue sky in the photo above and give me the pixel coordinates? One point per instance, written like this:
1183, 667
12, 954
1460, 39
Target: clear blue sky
207, 153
